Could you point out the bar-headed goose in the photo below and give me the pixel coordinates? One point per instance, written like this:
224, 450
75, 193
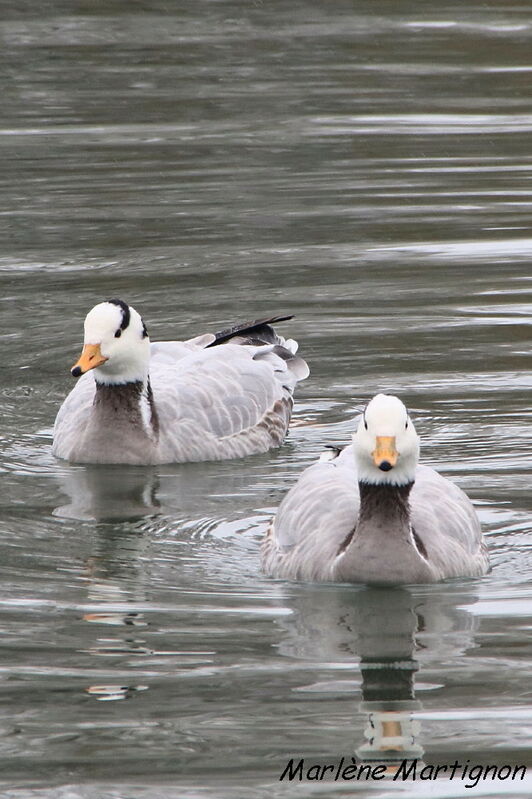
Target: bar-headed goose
371, 514
217, 396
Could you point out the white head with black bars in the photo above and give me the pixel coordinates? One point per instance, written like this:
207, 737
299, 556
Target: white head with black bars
116, 344
386, 443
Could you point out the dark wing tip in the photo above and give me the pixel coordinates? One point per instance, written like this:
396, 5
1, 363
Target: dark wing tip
257, 327
336, 449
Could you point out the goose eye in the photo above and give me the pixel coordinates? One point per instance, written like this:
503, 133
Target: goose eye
118, 333
365, 424
406, 424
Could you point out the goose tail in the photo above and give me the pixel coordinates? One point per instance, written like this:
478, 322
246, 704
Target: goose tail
260, 333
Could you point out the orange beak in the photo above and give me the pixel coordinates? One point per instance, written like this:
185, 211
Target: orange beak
385, 454
90, 358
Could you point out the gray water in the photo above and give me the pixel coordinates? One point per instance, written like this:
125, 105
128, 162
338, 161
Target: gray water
368, 167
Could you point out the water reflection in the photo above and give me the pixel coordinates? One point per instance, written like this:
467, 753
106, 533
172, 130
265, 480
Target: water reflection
114, 579
107, 493
117, 493
123, 637
392, 633
364, 166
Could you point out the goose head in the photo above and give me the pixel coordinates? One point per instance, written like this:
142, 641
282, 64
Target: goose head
116, 344
386, 444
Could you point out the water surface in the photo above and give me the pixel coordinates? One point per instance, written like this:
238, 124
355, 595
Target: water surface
368, 169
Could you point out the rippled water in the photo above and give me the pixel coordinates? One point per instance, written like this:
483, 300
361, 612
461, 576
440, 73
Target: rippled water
368, 168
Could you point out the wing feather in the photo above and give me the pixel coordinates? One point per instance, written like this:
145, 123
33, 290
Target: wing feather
235, 403
313, 521
444, 518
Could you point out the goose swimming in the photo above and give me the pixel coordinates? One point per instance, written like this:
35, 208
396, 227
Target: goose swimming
217, 396
371, 514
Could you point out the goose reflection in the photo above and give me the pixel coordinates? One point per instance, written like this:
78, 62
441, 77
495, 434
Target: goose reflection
121, 632
113, 493
130, 505
108, 493
391, 631
115, 590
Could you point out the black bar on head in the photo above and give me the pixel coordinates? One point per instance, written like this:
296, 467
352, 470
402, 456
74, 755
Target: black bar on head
126, 315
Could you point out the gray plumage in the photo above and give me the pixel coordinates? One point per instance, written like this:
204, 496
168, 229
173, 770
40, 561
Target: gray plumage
419, 532
197, 401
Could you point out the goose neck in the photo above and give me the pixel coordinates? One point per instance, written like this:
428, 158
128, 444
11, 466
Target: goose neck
384, 505
131, 402
121, 396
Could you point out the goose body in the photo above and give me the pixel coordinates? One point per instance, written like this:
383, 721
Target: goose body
213, 397
371, 514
